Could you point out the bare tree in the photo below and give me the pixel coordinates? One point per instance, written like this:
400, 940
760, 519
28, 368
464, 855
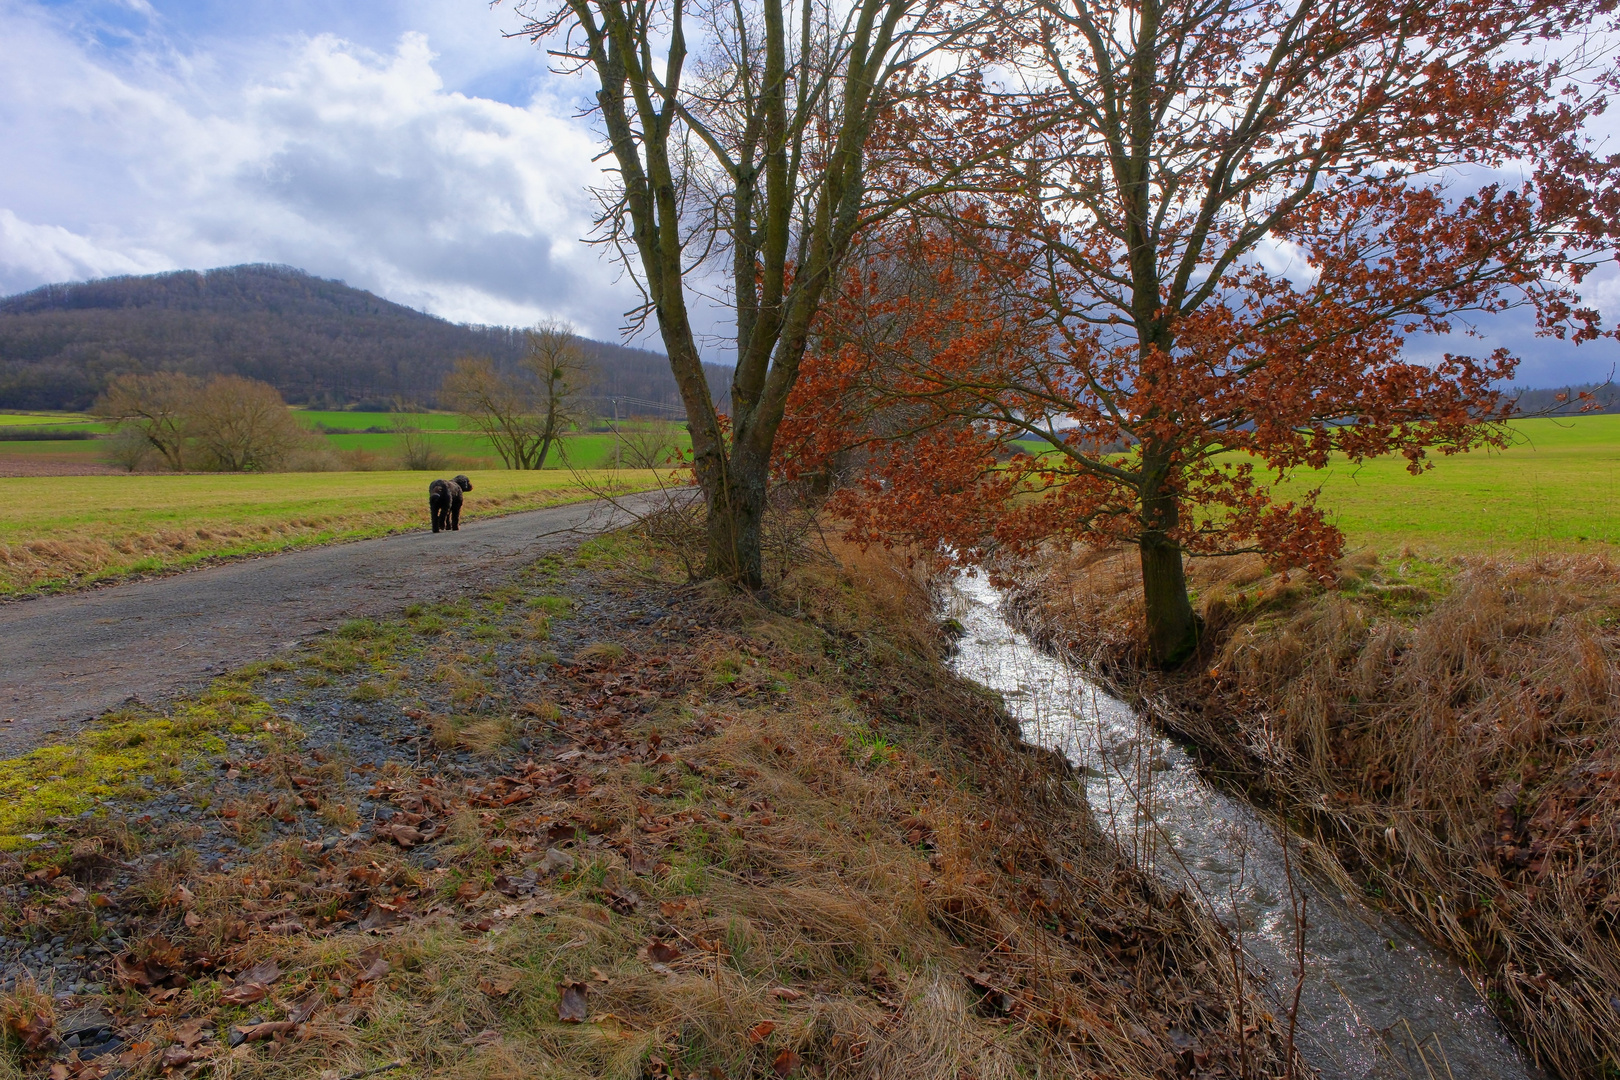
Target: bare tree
243, 425
502, 409
127, 448
650, 444
158, 407
752, 157
416, 450
553, 354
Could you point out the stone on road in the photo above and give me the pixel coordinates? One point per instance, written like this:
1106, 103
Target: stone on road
67, 659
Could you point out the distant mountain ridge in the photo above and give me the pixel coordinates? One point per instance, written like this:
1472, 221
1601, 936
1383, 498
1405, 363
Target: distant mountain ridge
320, 342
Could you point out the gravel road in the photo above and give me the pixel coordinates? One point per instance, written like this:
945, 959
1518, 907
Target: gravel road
66, 659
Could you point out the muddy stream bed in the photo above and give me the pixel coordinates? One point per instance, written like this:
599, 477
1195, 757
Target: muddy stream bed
1377, 1000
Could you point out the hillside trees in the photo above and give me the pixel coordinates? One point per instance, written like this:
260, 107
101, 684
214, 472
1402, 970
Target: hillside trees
744, 170
1216, 263
319, 342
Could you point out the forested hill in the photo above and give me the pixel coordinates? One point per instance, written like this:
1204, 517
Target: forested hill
318, 341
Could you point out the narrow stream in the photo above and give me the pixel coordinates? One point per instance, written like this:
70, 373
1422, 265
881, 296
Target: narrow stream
1378, 1001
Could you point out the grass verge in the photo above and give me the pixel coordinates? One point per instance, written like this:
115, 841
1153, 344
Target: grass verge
598, 823
65, 532
1447, 726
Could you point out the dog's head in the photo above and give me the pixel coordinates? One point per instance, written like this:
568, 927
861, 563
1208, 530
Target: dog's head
464, 483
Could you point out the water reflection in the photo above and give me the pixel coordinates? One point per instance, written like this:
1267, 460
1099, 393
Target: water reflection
1378, 1001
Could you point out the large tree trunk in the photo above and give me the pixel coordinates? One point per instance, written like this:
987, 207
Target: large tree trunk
736, 512
1171, 625
1172, 628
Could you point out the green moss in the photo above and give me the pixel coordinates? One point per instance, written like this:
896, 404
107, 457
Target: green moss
111, 757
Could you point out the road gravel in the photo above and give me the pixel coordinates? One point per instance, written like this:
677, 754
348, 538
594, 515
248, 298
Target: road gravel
66, 659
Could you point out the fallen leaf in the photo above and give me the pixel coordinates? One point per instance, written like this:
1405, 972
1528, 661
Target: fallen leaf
380, 917
31, 1029
265, 972
271, 1029
130, 972
301, 1011
786, 1062
176, 1056
470, 890
662, 952
761, 1031
403, 835
671, 908
625, 903
374, 970
483, 1038
555, 861
183, 898
571, 1007
245, 994
191, 1032
783, 993
499, 986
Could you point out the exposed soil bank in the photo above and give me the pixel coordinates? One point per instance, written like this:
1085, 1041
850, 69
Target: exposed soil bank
1449, 730
597, 823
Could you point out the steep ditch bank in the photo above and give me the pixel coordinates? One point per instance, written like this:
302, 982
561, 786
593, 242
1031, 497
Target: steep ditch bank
1448, 730
594, 822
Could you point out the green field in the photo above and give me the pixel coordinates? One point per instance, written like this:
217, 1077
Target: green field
1556, 488
362, 420
31, 419
357, 447
59, 531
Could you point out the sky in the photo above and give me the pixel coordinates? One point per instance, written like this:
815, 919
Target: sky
404, 147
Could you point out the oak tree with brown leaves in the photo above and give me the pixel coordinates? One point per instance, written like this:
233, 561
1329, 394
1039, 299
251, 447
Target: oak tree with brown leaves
1207, 273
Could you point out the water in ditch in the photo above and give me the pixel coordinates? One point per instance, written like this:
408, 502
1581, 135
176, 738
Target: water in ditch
1377, 1000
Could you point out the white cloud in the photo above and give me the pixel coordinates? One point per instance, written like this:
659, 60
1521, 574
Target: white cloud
312, 151
31, 254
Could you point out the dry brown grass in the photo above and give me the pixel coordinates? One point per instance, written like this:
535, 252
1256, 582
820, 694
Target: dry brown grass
742, 889
1453, 728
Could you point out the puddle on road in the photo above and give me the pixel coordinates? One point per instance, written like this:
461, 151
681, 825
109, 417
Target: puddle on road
1378, 1001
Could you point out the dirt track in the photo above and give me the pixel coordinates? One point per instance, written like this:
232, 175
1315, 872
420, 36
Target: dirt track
66, 659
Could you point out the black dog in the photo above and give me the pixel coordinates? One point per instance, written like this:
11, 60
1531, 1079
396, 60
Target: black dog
444, 502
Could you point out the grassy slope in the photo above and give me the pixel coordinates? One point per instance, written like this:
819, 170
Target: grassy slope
69, 530
788, 846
